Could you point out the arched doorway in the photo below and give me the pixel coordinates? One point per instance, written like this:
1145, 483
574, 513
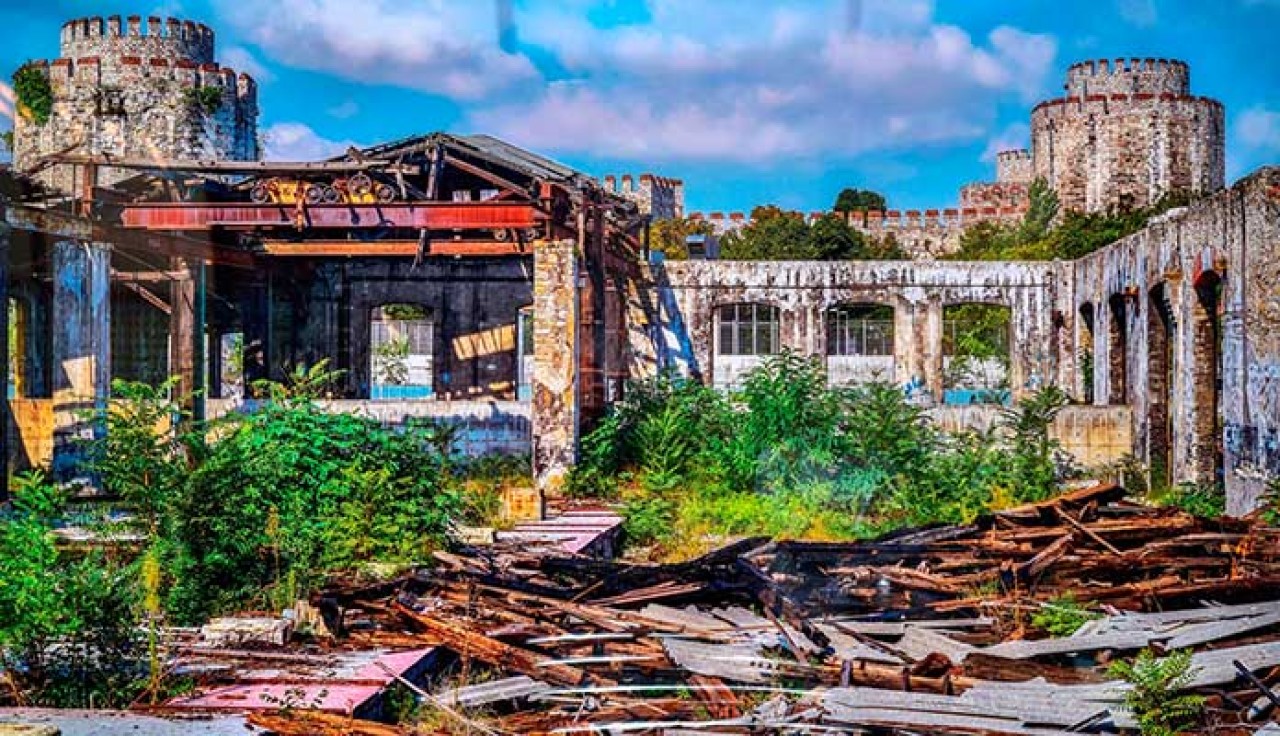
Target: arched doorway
1159, 387
1117, 351
1207, 353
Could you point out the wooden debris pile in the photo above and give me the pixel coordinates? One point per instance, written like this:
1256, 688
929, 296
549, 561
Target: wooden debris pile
926, 631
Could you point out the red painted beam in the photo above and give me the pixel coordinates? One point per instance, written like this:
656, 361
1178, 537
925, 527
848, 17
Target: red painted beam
436, 216
394, 248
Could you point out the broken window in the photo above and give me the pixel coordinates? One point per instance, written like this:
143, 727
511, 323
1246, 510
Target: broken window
748, 329
402, 348
860, 329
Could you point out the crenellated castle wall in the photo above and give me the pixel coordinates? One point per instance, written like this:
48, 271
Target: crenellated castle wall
1126, 133
659, 196
128, 90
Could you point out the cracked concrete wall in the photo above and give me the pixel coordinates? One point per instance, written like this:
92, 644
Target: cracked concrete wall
688, 294
1231, 242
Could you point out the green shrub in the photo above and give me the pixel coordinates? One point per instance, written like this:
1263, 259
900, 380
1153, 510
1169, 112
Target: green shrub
1155, 699
1204, 500
68, 626
33, 93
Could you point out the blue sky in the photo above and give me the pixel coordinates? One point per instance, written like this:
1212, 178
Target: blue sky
748, 101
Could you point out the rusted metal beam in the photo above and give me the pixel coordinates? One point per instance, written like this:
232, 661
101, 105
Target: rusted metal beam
229, 167
394, 248
435, 216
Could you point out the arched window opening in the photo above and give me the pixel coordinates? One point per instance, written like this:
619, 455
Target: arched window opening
1085, 351
748, 330
745, 335
859, 343
402, 351
975, 350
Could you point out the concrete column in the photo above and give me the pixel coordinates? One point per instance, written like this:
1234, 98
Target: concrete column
81, 348
930, 334
906, 358
555, 381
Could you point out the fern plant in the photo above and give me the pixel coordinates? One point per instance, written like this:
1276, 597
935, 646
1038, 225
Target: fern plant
1062, 616
1156, 699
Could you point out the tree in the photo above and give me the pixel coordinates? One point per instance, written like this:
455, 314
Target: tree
774, 234
670, 235
858, 200
831, 239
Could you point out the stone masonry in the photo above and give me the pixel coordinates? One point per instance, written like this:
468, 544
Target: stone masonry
125, 89
1126, 133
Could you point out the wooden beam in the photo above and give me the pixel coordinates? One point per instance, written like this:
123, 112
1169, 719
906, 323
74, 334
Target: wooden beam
148, 296
392, 248
485, 174
121, 277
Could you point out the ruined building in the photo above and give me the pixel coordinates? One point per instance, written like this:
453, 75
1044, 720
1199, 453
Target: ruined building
129, 90
463, 279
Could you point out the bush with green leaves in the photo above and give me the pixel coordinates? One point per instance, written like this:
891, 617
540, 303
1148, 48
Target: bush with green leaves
788, 455
68, 624
1156, 697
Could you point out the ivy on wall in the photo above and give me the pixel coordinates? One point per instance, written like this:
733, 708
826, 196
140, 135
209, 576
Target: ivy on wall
33, 93
203, 99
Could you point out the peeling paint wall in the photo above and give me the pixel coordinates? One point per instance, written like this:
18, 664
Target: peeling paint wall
689, 294
1232, 238
1093, 435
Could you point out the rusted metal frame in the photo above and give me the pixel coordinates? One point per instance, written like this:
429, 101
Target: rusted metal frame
225, 167
438, 216
392, 248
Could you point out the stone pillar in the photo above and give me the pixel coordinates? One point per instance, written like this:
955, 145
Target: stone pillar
81, 348
906, 356
929, 329
556, 396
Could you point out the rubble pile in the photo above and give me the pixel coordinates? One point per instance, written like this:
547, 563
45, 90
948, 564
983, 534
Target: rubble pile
923, 631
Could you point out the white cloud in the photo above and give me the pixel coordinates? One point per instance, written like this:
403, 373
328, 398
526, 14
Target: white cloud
344, 110
243, 60
1012, 137
747, 81
1141, 13
440, 46
7, 102
1259, 128
298, 142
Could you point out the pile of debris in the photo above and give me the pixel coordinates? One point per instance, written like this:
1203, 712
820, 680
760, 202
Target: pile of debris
925, 631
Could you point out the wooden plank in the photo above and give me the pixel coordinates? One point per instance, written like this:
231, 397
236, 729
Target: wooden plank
469, 643
1124, 641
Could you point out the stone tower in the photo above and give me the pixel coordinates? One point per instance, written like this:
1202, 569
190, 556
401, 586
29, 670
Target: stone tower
129, 90
1127, 132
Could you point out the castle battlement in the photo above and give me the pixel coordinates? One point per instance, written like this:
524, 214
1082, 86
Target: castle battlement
110, 38
659, 196
145, 89
69, 77
1014, 167
1128, 76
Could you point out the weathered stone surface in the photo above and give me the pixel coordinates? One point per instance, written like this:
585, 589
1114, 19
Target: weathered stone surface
556, 374
1126, 133
134, 91
1157, 324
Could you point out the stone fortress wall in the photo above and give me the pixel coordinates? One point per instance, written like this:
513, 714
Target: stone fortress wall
659, 196
1126, 133
128, 89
